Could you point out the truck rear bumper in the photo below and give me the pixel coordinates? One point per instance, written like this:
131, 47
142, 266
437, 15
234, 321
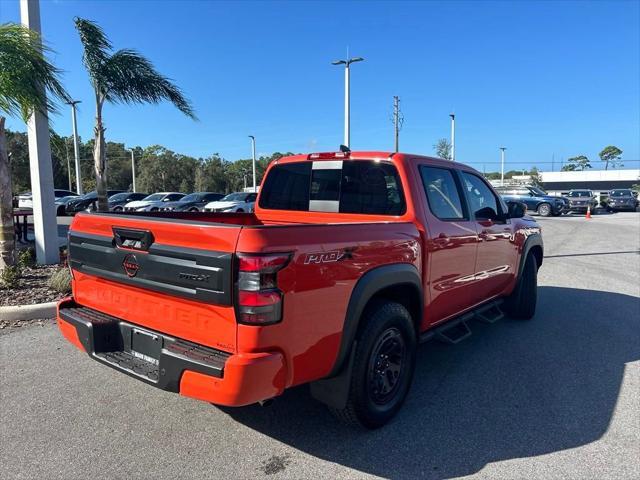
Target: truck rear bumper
173, 364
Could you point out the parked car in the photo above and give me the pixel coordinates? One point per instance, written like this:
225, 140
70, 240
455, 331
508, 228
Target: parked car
118, 201
25, 200
61, 204
535, 199
349, 261
621, 199
580, 200
86, 202
153, 202
193, 202
234, 202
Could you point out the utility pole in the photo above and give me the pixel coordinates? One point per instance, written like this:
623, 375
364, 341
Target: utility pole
347, 100
44, 212
502, 149
253, 154
76, 145
133, 171
398, 120
453, 136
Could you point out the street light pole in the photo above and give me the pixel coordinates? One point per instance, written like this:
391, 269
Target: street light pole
453, 136
253, 155
502, 149
133, 171
76, 145
44, 211
347, 99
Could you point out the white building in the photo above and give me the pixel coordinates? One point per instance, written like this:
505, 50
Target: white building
596, 180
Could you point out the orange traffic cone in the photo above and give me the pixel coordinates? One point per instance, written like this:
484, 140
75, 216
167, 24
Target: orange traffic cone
588, 212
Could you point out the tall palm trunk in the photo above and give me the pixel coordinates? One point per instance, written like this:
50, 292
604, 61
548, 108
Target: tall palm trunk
7, 231
100, 159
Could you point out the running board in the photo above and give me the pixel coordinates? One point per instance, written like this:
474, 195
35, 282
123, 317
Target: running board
456, 330
490, 313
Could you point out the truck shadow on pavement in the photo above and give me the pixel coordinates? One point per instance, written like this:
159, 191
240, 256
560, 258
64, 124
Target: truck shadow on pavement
514, 389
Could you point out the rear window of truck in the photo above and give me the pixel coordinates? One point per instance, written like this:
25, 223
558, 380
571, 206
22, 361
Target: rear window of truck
352, 186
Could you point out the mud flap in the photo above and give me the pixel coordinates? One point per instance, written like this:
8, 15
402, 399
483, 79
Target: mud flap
334, 391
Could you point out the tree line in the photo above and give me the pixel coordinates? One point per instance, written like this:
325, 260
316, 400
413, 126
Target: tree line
157, 168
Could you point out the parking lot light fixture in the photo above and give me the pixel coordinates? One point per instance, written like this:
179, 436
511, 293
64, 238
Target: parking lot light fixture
347, 107
253, 155
502, 149
133, 171
76, 145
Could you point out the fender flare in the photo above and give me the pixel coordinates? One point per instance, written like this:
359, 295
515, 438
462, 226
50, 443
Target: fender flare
369, 284
533, 240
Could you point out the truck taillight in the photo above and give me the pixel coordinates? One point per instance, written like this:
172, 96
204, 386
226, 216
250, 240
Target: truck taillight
259, 300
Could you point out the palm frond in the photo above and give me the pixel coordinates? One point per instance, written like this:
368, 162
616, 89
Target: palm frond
131, 78
97, 48
25, 73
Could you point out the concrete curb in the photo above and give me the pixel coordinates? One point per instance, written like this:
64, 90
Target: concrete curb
28, 312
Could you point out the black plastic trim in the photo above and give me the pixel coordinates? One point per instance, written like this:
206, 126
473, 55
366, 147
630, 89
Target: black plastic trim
533, 240
107, 339
195, 274
371, 283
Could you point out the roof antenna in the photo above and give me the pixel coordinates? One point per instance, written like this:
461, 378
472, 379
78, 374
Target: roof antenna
345, 149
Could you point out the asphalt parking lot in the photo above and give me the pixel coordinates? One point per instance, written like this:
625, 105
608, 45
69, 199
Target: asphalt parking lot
554, 397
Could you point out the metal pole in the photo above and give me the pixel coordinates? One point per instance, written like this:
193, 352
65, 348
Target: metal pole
44, 211
76, 146
133, 171
66, 149
502, 149
453, 137
253, 153
347, 119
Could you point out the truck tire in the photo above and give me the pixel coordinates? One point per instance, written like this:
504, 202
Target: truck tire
383, 366
544, 210
521, 304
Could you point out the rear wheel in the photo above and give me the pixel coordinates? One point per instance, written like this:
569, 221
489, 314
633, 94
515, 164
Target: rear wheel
118, 209
521, 303
544, 209
239, 210
194, 209
383, 366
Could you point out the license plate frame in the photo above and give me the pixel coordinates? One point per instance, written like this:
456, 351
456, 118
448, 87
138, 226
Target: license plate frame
146, 345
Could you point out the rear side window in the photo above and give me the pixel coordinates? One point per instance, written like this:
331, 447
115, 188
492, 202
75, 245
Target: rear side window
358, 186
442, 193
483, 203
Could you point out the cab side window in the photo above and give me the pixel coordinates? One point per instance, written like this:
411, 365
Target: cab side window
482, 201
442, 193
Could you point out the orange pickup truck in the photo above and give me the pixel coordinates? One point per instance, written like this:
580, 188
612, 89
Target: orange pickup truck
350, 260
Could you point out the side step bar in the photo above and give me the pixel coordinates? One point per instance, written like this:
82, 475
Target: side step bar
456, 330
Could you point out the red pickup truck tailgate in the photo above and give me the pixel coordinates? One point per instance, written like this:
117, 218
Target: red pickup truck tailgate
173, 276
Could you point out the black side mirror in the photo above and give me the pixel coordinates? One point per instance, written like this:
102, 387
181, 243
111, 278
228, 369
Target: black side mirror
516, 209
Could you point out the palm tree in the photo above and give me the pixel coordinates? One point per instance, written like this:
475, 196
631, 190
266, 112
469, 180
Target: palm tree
124, 76
26, 77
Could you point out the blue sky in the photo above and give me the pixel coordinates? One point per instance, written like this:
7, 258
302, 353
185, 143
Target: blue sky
546, 79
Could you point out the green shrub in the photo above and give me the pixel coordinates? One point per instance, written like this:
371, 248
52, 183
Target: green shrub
27, 258
61, 280
10, 276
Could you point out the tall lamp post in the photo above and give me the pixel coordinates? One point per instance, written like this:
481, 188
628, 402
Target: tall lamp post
453, 136
347, 64
76, 145
502, 149
253, 155
133, 170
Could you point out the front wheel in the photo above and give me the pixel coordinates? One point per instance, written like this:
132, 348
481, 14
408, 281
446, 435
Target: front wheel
382, 368
544, 210
521, 304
